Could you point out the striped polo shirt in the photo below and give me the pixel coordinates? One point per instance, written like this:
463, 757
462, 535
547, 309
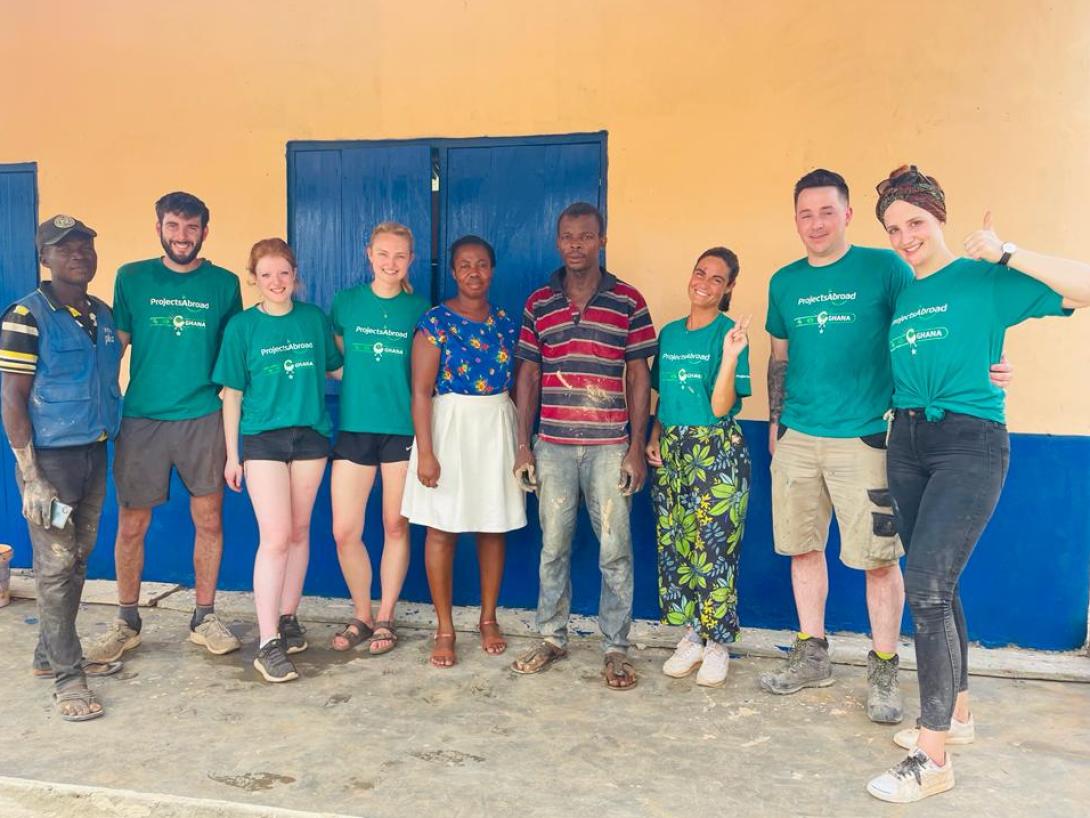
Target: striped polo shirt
582, 358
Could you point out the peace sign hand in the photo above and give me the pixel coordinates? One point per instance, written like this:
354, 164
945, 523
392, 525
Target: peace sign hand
984, 243
736, 339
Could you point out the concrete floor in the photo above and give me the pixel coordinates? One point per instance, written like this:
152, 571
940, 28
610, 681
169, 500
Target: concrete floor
391, 736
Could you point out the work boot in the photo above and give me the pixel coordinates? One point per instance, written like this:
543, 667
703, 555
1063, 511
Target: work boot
885, 705
807, 666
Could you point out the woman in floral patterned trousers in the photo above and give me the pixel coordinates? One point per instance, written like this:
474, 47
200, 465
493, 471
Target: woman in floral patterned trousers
701, 484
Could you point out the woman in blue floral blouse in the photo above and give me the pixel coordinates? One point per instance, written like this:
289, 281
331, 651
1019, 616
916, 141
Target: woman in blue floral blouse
464, 452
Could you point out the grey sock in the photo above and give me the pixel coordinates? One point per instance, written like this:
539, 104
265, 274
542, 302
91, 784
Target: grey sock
693, 636
130, 615
199, 613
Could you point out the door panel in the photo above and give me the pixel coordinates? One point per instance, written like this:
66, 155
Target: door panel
18, 276
511, 195
336, 197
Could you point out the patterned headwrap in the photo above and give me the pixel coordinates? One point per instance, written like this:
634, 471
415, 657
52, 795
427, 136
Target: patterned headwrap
909, 185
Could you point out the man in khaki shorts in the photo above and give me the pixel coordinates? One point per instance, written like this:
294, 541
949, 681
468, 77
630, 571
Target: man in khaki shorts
172, 310
832, 310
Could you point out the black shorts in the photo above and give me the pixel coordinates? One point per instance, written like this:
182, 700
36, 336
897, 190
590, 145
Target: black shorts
286, 445
368, 449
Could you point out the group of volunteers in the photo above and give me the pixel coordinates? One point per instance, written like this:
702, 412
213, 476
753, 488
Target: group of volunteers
885, 381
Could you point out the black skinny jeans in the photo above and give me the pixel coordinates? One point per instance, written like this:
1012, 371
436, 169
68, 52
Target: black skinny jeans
945, 477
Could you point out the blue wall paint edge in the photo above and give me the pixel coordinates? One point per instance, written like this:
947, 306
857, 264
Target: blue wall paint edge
1027, 584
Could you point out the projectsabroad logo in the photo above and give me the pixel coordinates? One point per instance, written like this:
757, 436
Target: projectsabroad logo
178, 322
288, 366
682, 375
911, 337
826, 317
377, 348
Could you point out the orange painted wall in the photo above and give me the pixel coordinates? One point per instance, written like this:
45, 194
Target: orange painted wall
713, 110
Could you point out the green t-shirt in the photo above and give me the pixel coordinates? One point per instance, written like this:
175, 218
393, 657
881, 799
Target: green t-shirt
835, 320
948, 329
376, 389
685, 370
176, 321
279, 363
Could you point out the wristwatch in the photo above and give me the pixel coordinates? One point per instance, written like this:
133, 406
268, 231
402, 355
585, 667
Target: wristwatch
1009, 249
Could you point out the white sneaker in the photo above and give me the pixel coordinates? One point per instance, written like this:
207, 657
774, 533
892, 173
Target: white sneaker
914, 779
713, 672
961, 732
687, 657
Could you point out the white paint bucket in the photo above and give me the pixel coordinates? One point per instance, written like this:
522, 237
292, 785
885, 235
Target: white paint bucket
5, 574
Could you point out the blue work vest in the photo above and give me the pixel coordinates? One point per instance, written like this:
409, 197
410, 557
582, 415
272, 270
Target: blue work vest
75, 398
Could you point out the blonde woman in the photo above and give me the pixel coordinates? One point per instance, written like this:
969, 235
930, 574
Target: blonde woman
373, 324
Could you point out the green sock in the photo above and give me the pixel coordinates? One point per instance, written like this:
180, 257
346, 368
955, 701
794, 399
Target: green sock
885, 657
804, 636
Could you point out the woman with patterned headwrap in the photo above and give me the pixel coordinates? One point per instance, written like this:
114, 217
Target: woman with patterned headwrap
948, 448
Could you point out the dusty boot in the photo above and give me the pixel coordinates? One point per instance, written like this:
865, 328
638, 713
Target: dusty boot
807, 666
885, 705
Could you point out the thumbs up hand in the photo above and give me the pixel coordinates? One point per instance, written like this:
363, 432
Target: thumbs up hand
984, 243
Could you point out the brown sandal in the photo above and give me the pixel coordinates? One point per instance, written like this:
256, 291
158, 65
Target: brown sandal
384, 632
362, 632
484, 643
538, 658
618, 667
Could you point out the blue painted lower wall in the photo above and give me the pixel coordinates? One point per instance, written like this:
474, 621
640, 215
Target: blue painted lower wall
1027, 583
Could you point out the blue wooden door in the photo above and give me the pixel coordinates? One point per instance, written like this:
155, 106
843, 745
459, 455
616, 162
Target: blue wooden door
336, 195
511, 194
507, 190
18, 276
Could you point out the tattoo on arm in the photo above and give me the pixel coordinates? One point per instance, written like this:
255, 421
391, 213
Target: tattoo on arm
777, 375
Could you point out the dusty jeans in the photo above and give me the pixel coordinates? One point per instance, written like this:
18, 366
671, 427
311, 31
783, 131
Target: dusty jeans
78, 473
945, 477
565, 472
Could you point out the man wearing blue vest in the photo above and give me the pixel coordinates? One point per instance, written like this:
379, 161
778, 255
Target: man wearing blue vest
60, 356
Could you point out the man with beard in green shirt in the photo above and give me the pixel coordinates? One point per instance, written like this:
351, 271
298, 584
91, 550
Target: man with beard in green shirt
172, 310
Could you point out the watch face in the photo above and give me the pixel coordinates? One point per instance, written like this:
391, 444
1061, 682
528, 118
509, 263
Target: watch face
1008, 247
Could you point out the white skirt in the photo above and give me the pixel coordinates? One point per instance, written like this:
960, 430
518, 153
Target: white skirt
474, 439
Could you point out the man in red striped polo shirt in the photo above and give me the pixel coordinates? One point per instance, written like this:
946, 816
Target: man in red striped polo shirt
582, 363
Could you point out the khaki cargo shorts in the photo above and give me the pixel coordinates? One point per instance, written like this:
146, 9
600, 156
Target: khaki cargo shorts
812, 477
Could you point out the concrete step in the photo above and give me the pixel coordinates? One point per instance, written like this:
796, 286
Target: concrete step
26, 798
845, 648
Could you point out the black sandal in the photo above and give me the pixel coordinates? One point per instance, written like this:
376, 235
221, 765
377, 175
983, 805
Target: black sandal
361, 633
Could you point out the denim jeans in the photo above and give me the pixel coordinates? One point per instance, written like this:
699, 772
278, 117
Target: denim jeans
564, 473
78, 473
945, 477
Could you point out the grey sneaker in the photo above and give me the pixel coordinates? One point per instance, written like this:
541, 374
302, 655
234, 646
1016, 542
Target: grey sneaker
272, 663
108, 647
214, 635
291, 633
885, 705
807, 666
